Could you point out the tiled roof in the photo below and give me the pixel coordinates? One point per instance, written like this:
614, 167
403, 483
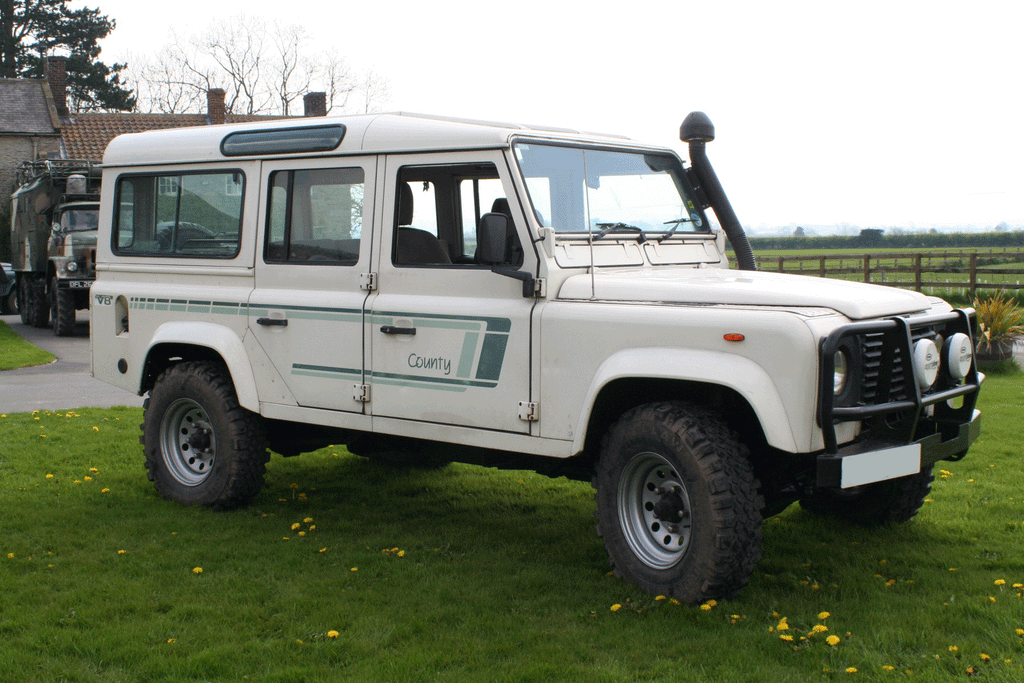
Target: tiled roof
86, 135
25, 108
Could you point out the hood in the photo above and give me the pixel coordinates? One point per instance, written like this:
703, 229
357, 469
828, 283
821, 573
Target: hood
855, 300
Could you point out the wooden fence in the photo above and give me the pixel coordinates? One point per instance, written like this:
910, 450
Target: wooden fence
940, 270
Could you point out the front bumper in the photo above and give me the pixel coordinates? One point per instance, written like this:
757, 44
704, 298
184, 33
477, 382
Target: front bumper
867, 462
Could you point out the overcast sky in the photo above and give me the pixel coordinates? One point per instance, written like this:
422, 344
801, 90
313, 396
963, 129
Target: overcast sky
872, 113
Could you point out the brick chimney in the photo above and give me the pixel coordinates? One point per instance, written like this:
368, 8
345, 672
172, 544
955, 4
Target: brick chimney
215, 105
56, 71
314, 104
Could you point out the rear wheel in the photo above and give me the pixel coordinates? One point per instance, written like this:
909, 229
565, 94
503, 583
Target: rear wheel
32, 302
878, 504
201, 447
677, 503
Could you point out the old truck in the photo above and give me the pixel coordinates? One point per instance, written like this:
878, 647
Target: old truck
518, 296
54, 218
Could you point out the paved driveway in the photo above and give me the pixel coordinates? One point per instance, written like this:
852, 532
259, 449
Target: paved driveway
63, 384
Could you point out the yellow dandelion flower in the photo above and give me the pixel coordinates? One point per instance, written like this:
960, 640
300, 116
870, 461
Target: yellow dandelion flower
659, 597
95, 429
674, 601
170, 640
954, 648
616, 607
312, 527
851, 670
713, 603
293, 486
197, 570
888, 667
87, 478
295, 526
355, 569
1020, 631
307, 520
984, 657
832, 640
788, 639
1018, 585
783, 626
706, 607
824, 615
991, 599
49, 476
1000, 582
93, 470
819, 628
121, 552
10, 556
332, 634
323, 550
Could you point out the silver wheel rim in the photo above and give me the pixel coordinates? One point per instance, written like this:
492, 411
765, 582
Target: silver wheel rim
654, 510
187, 442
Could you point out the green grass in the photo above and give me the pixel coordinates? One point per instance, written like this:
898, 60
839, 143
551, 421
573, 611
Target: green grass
497, 576
15, 352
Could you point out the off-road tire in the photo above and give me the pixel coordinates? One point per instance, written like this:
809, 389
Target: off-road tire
32, 303
878, 504
201, 447
677, 503
62, 310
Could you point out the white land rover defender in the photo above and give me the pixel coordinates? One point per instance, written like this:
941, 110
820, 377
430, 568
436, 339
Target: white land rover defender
515, 296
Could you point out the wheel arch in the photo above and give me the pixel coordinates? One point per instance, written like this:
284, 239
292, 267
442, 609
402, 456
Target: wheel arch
740, 390
177, 342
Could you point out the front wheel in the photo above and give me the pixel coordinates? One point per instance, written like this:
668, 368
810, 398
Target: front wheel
677, 503
62, 310
201, 447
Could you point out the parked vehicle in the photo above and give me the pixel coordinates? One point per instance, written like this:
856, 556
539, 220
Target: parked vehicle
8, 290
425, 290
54, 217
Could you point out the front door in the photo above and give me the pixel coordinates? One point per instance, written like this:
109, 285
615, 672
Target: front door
449, 339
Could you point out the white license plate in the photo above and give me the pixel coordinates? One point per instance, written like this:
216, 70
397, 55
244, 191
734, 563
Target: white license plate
889, 463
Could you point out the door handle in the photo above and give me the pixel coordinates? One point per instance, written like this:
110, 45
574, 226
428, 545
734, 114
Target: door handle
391, 329
273, 322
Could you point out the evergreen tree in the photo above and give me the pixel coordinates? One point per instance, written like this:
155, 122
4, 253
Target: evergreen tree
32, 29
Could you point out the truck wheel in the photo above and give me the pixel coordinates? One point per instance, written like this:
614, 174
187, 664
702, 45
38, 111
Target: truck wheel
34, 308
201, 447
62, 310
677, 503
878, 504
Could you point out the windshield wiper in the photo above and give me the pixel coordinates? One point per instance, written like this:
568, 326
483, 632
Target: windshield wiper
607, 228
675, 224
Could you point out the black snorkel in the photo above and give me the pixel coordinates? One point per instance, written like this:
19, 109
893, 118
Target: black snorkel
697, 130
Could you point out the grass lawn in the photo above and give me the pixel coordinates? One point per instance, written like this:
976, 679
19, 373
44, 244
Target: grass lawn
345, 570
15, 352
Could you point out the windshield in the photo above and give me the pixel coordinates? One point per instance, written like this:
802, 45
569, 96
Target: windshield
76, 220
608, 193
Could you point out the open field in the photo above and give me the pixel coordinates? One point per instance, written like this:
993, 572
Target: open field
346, 570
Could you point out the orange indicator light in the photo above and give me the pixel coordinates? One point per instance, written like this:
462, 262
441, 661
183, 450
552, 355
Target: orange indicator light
733, 337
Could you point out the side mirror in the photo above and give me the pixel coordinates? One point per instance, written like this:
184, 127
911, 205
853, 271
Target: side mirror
492, 239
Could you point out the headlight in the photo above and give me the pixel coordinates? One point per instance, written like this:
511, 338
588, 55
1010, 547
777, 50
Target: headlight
842, 372
72, 266
926, 363
959, 355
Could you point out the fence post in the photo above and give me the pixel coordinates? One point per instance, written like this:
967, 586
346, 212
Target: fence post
867, 267
917, 272
974, 273
781, 261
821, 267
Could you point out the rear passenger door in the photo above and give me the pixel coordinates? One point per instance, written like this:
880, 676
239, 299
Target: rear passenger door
450, 339
306, 311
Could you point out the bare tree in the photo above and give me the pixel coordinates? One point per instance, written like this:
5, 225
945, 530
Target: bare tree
263, 69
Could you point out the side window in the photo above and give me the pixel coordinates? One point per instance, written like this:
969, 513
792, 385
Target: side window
189, 215
315, 216
438, 214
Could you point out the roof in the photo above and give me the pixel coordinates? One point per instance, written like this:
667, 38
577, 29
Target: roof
26, 108
369, 133
86, 135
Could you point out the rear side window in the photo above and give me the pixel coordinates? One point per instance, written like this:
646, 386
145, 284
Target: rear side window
315, 216
188, 215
